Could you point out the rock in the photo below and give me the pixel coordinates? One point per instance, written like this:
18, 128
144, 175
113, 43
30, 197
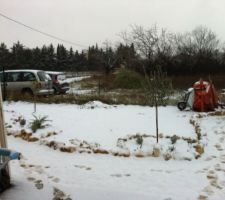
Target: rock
124, 154
139, 154
202, 197
121, 153
55, 145
68, 149
167, 156
211, 176
49, 134
199, 149
156, 152
33, 139
100, 151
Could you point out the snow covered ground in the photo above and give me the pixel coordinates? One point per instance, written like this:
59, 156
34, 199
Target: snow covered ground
74, 79
92, 152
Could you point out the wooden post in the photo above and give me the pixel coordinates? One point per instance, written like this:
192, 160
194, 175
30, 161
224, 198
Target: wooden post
3, 142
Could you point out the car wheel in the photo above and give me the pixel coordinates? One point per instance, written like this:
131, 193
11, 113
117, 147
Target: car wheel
55, 91
182, 105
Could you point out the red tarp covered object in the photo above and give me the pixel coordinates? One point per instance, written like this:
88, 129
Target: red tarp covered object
205, 96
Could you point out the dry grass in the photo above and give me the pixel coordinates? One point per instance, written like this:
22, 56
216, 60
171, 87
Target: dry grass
184, 82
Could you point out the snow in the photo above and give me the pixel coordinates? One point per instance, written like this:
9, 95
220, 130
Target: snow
105, 176
73, 79
80, 91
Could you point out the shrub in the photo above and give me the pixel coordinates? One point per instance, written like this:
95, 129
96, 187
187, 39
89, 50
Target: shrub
128, 79
38, 123
139, 140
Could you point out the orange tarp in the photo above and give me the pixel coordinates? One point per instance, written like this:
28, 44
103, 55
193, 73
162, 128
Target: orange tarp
205, 96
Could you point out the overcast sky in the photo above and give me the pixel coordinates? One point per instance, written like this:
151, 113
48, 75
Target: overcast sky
93, 21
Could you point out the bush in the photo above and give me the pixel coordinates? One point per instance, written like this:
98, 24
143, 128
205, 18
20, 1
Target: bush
139, 140
128, 79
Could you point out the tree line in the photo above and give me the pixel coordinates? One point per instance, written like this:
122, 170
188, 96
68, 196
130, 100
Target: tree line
141, 49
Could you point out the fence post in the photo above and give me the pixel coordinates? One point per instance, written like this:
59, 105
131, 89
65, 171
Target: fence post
3, 143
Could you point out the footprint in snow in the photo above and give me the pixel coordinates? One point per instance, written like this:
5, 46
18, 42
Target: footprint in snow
210, 158
218, 147
39, 184
208, 190
82, 167
55, 179
60, 195
202, 197
30, 178
120, 175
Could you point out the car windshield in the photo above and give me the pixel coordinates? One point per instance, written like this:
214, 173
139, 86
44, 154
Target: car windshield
43, 76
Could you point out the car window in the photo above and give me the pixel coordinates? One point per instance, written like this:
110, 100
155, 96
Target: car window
61, 77
43, 76
28, 76
13, 77
48, 77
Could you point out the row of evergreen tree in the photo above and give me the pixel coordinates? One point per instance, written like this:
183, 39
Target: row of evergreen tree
199, 52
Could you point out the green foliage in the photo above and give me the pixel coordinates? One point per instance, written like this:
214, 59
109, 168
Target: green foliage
128, 79
38, 123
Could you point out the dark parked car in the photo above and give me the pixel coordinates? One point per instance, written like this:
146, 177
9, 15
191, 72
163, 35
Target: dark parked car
59, 85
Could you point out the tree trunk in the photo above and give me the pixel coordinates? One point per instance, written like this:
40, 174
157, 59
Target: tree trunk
156, 122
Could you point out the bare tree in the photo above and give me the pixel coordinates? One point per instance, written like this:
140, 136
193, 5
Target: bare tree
200, 41
151, 43
204, 40
158, 88
165, 44
155, 46
184, 44
144, 40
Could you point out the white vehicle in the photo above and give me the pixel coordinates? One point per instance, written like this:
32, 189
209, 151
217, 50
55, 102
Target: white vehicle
29, 82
